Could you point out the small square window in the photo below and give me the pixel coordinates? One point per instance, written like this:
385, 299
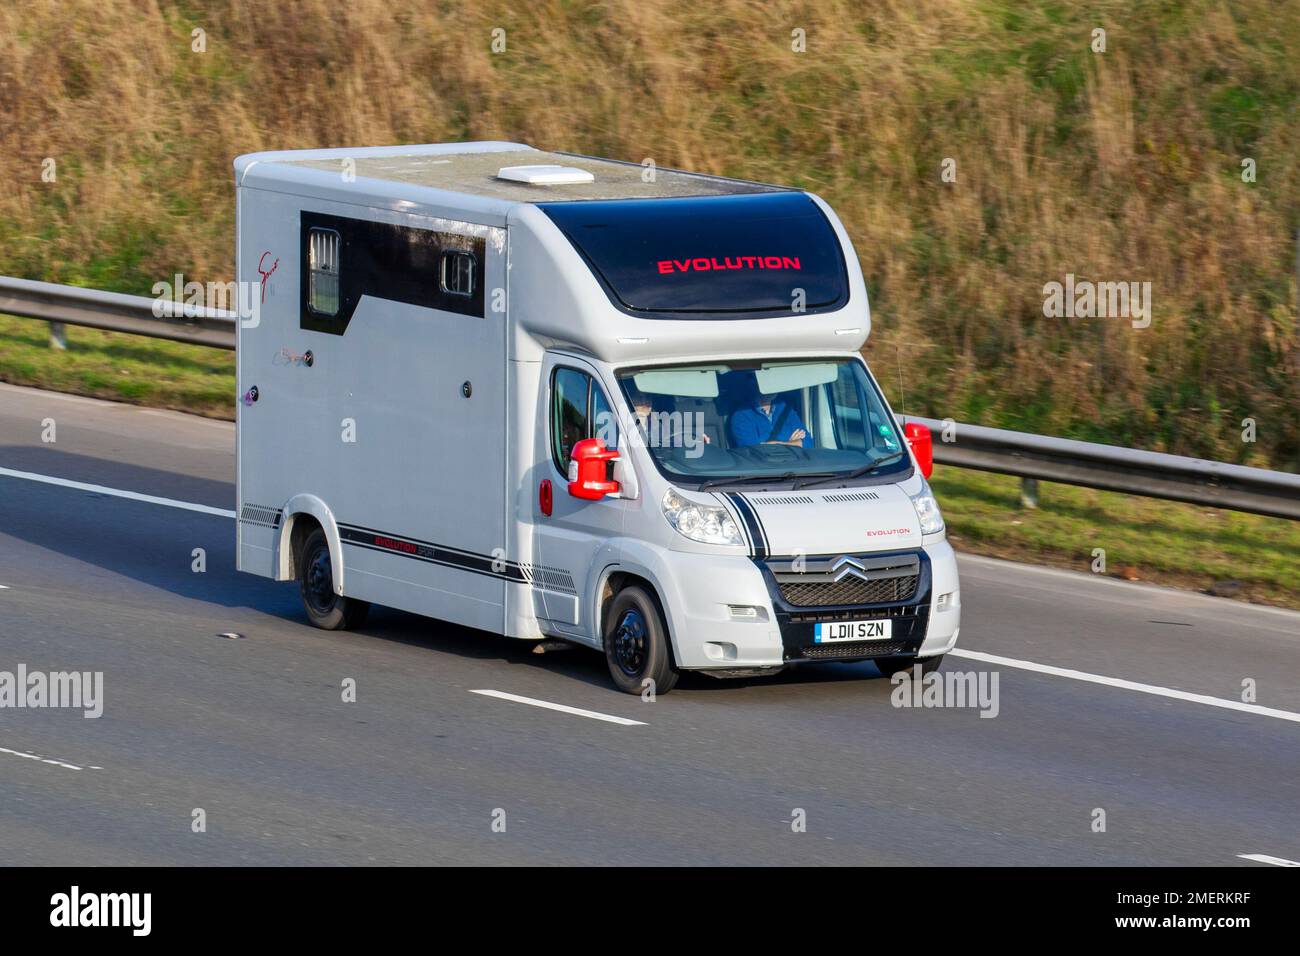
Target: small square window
457, 273
323, 266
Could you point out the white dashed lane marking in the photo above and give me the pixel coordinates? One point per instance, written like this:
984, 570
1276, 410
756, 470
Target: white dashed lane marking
562, 708
1265, 858
49, 760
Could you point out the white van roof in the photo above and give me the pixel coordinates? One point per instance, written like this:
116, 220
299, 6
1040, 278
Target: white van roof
430, 172
620, 279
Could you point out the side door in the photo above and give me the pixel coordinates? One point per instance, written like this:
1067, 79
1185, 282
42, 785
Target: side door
568, 539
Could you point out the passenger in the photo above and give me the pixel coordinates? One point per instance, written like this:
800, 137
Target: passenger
766, 420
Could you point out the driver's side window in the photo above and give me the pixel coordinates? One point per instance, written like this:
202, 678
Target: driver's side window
579, 410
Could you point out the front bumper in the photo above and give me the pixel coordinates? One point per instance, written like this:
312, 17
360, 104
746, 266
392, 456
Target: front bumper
707, 636
909, 615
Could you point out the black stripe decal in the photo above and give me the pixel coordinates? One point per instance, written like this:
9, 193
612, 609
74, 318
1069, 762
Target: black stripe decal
767, 546
441, 564
431, 553
762, 531
742, 525
421, 541
754, 531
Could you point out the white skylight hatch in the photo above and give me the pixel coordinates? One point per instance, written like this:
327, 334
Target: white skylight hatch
545, 175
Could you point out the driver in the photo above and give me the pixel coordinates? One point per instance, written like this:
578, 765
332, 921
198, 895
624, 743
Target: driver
767, 420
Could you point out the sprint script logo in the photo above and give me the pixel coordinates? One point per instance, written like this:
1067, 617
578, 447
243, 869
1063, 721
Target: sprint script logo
132, 910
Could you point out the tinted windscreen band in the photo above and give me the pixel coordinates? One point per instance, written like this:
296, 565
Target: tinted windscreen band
766, 254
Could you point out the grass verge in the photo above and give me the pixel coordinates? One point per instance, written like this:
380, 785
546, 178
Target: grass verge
124, 368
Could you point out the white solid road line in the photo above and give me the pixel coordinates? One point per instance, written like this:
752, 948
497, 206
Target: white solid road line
1264, 858
27, 756
564, 709
116, 493
1127, 685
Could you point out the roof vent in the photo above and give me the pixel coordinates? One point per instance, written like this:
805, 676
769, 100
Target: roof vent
545, 175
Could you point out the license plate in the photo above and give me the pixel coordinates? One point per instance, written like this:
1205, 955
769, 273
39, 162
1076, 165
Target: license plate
829, 632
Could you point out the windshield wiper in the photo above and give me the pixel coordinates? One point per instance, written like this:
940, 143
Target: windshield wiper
745, 479
849, 476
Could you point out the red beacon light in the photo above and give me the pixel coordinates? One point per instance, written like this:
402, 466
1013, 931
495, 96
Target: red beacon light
921, 442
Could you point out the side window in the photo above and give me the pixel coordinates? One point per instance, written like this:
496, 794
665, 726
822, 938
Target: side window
579, 410
323, 266
568, 414
457, 273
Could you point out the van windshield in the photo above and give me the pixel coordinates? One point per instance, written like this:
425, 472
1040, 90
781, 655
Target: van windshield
721, 423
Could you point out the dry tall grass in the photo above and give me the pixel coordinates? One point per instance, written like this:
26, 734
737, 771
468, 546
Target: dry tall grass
1117, 166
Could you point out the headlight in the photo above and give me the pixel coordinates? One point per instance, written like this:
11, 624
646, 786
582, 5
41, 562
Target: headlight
927, 510
708, 524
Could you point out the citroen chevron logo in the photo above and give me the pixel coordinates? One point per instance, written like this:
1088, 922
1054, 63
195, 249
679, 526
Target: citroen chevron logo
846, 565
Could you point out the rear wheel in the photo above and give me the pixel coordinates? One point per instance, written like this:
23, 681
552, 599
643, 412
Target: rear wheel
636, 643
889, 666
325, 608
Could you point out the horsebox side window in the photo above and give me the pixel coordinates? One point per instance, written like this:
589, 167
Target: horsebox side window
457, 273
323, 266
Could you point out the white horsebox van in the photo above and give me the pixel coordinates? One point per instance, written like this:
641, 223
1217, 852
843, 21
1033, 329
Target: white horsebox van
552, 396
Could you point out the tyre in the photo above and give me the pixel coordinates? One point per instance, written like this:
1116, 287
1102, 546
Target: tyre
889, 666
636, 643
325, 609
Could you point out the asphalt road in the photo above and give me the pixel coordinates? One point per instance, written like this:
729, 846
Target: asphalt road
256, 734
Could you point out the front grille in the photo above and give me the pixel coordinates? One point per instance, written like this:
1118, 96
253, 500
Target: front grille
847, 580
848, 590
853, 651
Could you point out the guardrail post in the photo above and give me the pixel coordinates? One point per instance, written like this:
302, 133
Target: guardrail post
58, 336
1029, 492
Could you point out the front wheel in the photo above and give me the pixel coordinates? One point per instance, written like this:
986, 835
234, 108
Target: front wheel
325, 609
636, 643
889, 666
